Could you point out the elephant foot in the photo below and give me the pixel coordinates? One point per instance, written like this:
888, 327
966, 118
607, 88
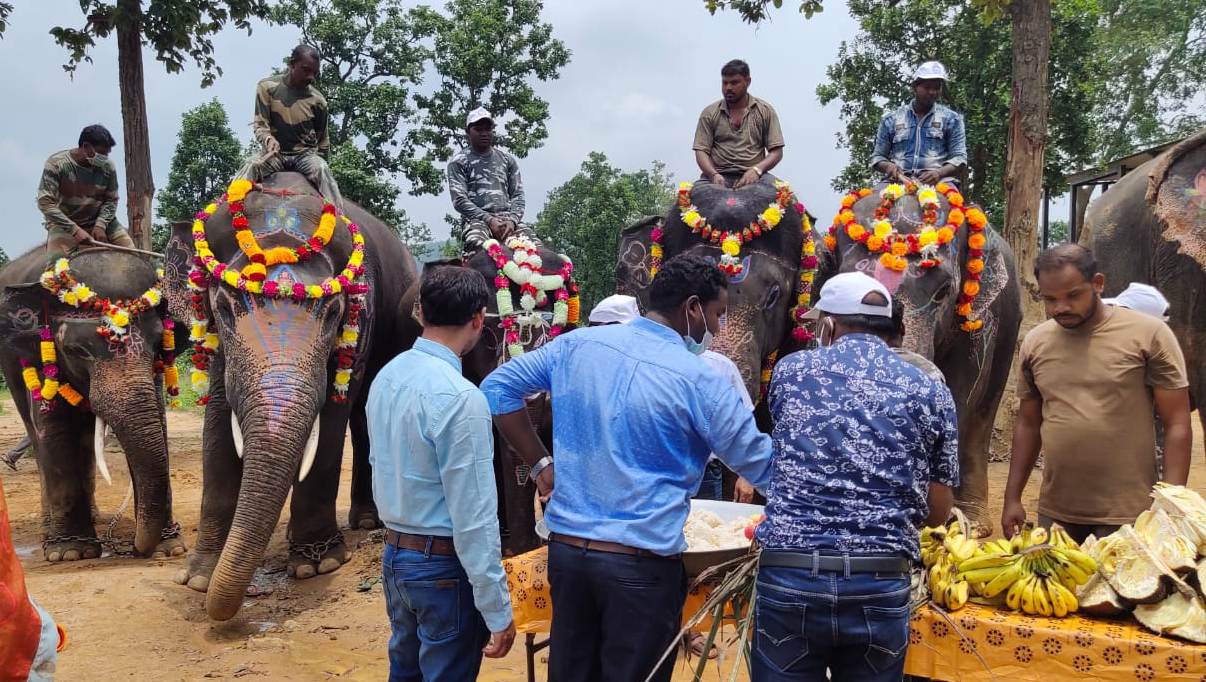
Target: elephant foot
197, 571
171, 547
307, 561
72, 549
364, 516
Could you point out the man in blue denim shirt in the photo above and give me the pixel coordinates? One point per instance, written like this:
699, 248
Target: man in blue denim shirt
866, 450
922, 139
432, 451
635, 415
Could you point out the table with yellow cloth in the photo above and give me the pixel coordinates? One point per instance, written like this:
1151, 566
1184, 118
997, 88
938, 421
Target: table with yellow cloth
974, 643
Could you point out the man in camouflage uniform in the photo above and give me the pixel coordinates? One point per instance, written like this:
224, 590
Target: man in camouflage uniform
291, 121
78, 195
486, 188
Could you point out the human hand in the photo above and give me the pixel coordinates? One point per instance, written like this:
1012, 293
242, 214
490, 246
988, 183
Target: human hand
930, 176
544, 483
81, 235
892, 171
718, 179
1012, 517
98, 235
500, 642
271, 146
748, 178
743, 491
497, 227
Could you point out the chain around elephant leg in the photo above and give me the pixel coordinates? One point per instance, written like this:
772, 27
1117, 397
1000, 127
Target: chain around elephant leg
307, 560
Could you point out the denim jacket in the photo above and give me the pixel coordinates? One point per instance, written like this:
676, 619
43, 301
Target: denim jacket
938, 138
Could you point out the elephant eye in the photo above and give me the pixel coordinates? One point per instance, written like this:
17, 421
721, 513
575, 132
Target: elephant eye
772, 297
943, 292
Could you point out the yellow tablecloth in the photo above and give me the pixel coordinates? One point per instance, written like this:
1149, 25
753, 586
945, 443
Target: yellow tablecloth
981, 643
532, 605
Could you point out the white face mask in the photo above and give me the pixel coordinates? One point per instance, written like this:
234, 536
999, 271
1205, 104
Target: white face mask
698, 347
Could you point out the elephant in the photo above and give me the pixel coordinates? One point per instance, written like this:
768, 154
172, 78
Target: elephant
114, 380
1150, 227
272, 421
758, 325
976, 363
516, 494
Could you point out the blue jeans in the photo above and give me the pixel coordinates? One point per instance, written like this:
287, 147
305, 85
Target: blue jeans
856, 626
712, 485
437, 632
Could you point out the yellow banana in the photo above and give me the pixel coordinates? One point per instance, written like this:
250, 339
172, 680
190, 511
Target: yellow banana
1013, 598
1082, 561
1055, 592
1017, 541
1003, 580
986, 560
956, 595
1041, 599
1071, 604
1038, 536
1065, 567
1028, 595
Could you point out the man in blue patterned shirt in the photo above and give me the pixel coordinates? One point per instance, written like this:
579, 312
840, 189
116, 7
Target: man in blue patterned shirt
923, 139
866, 450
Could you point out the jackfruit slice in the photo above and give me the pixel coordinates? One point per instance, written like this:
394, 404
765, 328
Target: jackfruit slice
1186, 508
1178, 615
1167, 540
1097, 598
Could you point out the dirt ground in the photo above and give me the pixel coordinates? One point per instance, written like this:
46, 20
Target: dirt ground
126, 619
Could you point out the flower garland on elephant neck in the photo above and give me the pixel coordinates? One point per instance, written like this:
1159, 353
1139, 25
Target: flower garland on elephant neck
44, 389
730, 241
115, 314
883, 237
523, 268
253, 280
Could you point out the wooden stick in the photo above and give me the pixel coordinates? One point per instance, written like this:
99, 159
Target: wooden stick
124, 249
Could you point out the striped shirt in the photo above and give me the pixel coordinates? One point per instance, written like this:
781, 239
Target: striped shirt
72, 194
296, 118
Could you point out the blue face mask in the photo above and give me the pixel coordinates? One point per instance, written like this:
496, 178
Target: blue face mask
698, 347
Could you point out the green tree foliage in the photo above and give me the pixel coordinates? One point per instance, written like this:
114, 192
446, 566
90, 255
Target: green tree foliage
584, 216
178, 31
353, 170
872, 74
1057, 233
6, 8
755, 11
376, 52
207, 156
3, 257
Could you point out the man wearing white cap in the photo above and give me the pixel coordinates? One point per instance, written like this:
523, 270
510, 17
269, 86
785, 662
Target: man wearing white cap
486, 188
922, 139
865, 452
1143, 298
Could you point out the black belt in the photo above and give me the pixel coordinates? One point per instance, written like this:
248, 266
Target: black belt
835, 563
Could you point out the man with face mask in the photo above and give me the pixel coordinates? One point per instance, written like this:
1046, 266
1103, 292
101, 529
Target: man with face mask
1089, 379
432, 452
923, 139
78, 195
291, 124
636, 413
866, 451
486, 188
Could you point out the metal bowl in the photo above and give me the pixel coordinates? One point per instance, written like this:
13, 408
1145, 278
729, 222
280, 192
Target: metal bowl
699, 561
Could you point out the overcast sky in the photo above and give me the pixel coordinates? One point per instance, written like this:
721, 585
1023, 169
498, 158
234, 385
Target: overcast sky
640, 73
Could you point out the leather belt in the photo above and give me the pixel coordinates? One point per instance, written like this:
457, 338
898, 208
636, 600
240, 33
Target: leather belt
836, 563
609, 547
441, 546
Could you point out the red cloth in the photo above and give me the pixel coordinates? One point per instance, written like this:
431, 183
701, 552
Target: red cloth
20, 626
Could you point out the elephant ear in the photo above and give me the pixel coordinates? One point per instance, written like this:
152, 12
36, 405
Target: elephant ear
22, 309
178, 263
634, 260
1177, 192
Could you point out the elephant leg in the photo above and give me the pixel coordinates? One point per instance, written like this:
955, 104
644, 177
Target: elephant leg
221, 478
67, 472
363, 513
315, 543
518, 515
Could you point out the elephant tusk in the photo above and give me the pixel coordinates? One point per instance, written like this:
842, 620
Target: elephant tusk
308, 456
98, 449
237, 433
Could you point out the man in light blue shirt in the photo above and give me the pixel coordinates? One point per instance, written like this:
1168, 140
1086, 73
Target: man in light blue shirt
432, 452
636, 413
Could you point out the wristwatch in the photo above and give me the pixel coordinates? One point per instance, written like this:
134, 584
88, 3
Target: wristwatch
540, 465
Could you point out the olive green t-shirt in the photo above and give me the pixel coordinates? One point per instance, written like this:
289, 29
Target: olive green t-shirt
1098, 431
736, 149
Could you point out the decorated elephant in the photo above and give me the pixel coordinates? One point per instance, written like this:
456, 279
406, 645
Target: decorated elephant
80, 345
761, 235
958, 281
515, 331
1150, 227
292, 313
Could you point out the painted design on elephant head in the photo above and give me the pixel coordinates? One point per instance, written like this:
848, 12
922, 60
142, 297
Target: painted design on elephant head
22, 319
282, 218
636, 257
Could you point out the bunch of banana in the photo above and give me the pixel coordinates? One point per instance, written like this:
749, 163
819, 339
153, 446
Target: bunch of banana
1037, 571
942, 550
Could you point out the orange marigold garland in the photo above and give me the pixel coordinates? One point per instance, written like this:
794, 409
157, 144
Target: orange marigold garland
883, 238
977, 240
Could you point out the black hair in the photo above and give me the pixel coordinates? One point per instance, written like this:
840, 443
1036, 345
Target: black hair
305, 50
451, 295
735, 67
1059, 257
682, 277
897, 317
97, 135
878, 325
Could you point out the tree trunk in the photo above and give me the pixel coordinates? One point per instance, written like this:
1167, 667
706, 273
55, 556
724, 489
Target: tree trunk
1027, 140
140, 187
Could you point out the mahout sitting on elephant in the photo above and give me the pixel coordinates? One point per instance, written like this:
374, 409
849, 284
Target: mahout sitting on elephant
80, 347
291, 311
958, 281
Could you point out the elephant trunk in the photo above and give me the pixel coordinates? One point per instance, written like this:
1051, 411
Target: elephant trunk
123, 394
276, 424
919, 331
737, 342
